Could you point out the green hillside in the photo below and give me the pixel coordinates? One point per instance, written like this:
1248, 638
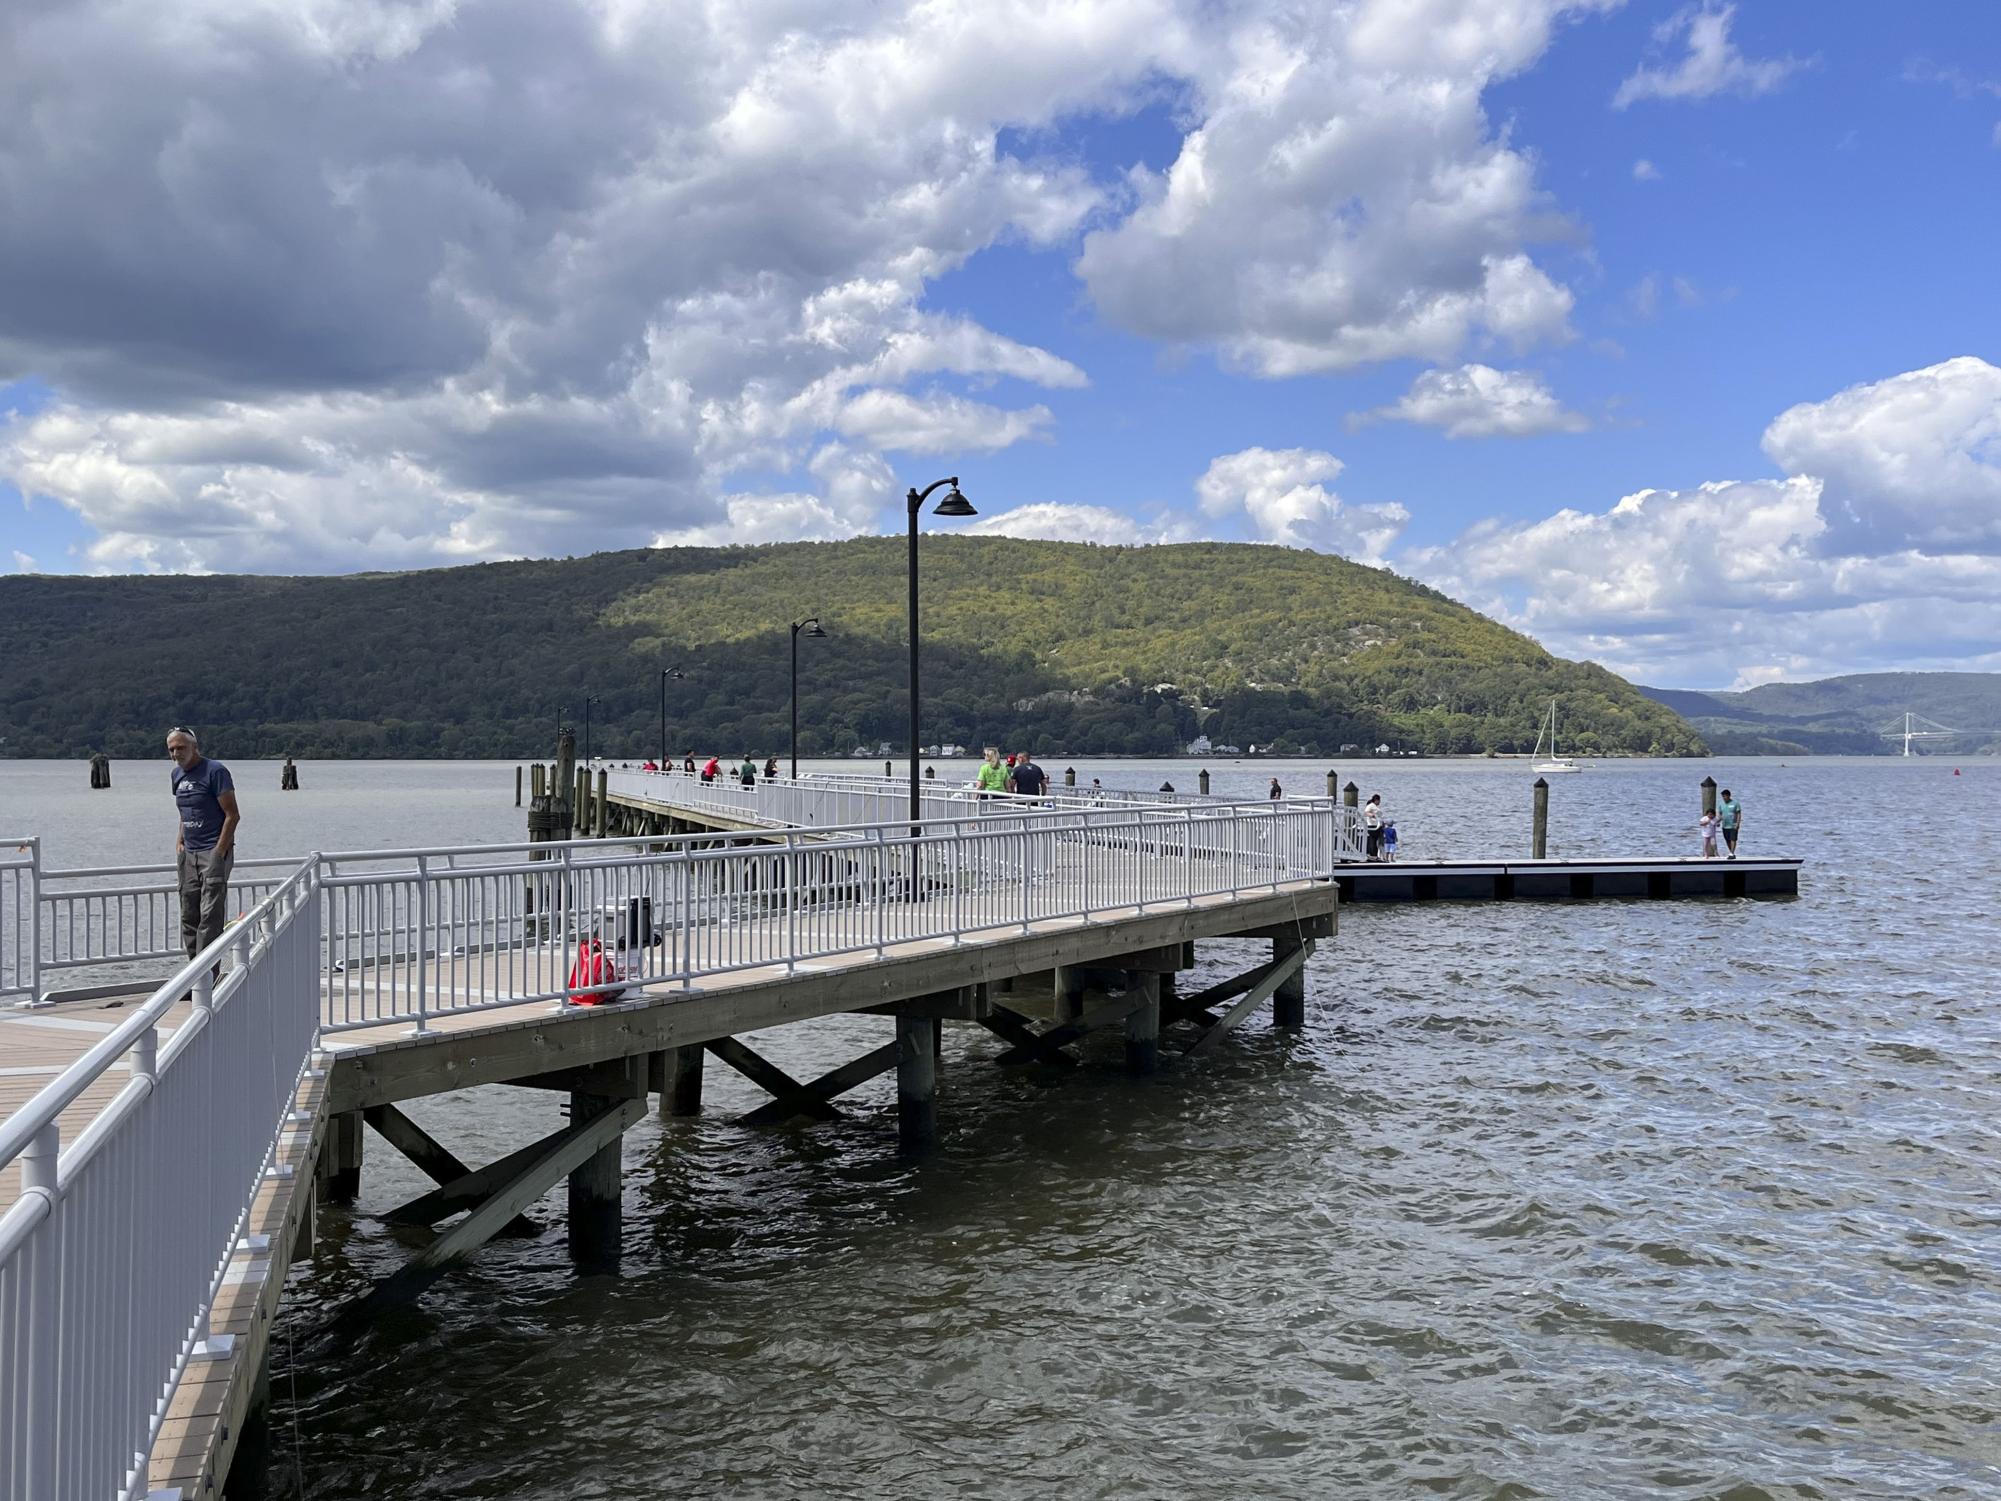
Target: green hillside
1063, 647
1847, 715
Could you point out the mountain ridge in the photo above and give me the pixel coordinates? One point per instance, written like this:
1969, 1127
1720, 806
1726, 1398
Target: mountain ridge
1849, 714
1117, 650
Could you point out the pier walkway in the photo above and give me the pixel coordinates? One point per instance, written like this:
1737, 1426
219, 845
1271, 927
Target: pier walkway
161, 1149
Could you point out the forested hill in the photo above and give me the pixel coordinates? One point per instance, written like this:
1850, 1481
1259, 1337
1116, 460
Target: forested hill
1847, 715
1063, 647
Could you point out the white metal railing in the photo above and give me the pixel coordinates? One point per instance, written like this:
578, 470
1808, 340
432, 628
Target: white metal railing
411, 935
20, 946
120, 1238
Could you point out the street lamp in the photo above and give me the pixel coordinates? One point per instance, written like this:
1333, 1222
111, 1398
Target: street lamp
665, 673
813, 633
954, 504
589, 699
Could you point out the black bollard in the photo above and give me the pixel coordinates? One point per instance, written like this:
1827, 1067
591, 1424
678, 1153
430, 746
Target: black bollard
1202, 781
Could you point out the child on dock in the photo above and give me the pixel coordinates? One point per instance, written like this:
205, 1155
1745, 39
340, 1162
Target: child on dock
1707, 824
1389, 841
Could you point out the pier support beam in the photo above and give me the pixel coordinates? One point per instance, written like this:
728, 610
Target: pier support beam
343, 1157
596, 1190
1143, 1023
1288, 998
916, 1083
675, 1074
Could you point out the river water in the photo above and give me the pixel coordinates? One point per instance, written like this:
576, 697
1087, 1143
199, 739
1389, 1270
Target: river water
1690, 1199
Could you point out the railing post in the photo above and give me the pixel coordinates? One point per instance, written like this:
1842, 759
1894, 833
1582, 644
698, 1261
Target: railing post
791, 904
1188, 856
881, 887
687, 916
1027, 841
423, 932
35, 920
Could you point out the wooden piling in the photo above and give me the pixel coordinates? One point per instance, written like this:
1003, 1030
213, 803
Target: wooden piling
596, 1192
1351, 796
1288, 1000
1539, 828
100, 771
675, 1074
288, 777
517, 786
343, 1157
1202, 781
1143, 1023
1333, 784
602, 804
1069, 776
1709, 795
916, 1083
1067, 988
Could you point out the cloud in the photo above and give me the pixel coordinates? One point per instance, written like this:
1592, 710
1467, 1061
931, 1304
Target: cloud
320, 285
1283, 494
1341, 199
1645, 171
1912, 461
1058, 522
1879, 551
1710, 65
23, 563
1478, 401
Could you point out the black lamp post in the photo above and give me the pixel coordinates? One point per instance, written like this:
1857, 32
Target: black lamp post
813, 633
589, 699
665, 673
954, 504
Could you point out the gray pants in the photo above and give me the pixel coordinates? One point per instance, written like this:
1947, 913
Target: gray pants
204, 883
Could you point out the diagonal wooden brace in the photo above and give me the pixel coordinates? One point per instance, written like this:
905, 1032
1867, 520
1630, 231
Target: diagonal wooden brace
1041, 1043
768, 1076
428, 1153
833, 1082
1273, 974
538, 1169
1011, 1026
1196, 1007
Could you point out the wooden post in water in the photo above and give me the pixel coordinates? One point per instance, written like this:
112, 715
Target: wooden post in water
343, 1157
517, 786
1068, 983
100, 771
1351, 796
916, 1083
1069, 776
675, 1074
1709, 795
1539, 827
1288, 1001
1202, 781
602, 823
1333, 782
288, 777
596, 1186
1143, 1023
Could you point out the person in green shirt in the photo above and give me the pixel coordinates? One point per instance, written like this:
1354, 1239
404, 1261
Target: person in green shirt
1729, 819
992, 776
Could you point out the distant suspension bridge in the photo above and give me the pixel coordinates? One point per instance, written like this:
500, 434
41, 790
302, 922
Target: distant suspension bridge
1916, 727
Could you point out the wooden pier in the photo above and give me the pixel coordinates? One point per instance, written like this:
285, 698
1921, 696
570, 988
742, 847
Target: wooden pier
1566, 880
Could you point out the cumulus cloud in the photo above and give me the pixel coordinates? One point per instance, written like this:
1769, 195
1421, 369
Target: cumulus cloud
1057, 522
1709, 63
1283, 495
1478, 401
1912, 461
1343, 199
23, 563
324, 285
1878, 552
1645, 171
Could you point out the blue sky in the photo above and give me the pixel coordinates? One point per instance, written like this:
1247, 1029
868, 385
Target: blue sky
1172, 272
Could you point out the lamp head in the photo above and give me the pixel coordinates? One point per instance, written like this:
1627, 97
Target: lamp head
812, 631
954, 504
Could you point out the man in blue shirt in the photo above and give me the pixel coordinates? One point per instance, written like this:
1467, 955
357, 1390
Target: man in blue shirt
205, 847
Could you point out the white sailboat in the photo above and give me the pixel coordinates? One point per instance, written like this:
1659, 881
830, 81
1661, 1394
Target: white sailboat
1555, 762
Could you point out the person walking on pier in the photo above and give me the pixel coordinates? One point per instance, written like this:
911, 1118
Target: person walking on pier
1276, 792
1027, 778
711, 769
688, 764
992, 775
1729, 819
771, 768
747, 773
205, 847
1372, 827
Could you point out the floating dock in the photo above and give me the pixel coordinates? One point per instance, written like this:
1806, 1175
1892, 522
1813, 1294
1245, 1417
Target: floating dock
1566, 880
